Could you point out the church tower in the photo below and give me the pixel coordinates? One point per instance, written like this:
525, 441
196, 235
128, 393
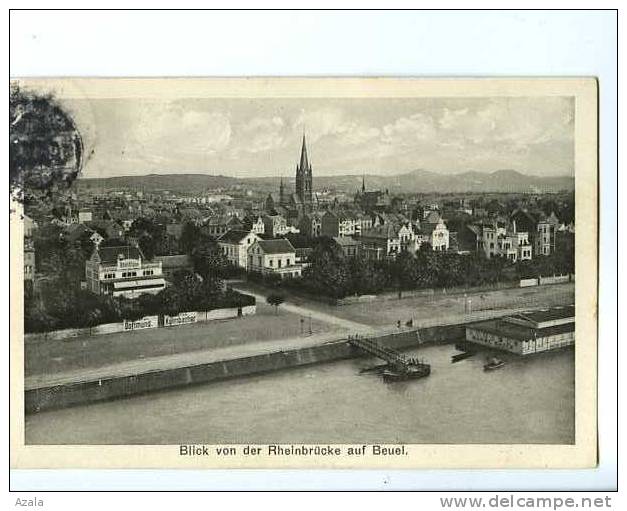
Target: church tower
304, 179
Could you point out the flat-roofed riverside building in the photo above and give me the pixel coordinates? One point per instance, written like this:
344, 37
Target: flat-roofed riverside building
526, 333
122, 271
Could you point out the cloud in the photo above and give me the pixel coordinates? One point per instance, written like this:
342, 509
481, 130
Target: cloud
260, 134
179, 130
320, 123
517, 122
245, 137
408, 131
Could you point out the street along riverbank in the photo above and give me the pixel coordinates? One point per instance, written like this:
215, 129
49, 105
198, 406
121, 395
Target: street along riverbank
81, 391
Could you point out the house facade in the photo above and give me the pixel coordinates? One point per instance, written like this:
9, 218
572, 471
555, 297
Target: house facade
436, 234
254, 223
545, 235
122, 271
275, 225
216, 226
310, 225
234, 245
274, 257
338, 224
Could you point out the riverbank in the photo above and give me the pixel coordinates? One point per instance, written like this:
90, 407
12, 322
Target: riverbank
336, 402
79, 391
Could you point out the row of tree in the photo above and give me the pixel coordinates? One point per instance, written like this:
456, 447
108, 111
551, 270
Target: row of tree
52, 307
333, 275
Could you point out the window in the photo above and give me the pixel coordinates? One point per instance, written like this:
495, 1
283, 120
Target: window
288, 262
148, 273
280, 262
271, 262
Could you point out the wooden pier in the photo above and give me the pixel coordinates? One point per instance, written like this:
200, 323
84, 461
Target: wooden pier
395, 360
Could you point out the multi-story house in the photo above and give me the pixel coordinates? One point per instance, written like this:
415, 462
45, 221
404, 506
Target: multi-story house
523, 246
173, 264
216, 226
545, 235
348, 245
507, 242
434, 231
363, 222
275, 225
310, 225
380, 242
234, 244
338, 224
470, 238
76, 216
254, 223
489, 241
542, 229
274, 257
122, 271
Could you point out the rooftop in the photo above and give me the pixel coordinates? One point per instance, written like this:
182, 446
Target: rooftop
555, 313
233, 236
345, 241
278, 246
520, 332
171, 261
110, 254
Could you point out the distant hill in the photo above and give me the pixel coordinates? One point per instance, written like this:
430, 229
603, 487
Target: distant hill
416, 181
178, 183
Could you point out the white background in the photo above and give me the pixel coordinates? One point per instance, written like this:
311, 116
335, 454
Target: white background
436, 43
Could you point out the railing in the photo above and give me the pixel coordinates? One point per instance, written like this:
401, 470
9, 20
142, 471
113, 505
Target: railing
143, 266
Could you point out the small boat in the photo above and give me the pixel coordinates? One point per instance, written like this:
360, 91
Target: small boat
413, 372
462, 356
494, 363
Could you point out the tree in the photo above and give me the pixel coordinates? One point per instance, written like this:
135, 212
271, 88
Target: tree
401, 271
94, 318
150, 236
328, 272
275, 300
190, 237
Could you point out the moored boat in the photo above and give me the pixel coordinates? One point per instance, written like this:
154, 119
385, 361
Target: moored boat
412, 372
493, 363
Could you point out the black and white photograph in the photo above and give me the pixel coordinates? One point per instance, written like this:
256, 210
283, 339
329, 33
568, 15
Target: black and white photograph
217, 263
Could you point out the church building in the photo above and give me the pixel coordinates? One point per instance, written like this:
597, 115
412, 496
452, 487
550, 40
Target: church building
302, 200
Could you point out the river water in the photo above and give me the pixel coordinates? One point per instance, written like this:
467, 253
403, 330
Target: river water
526, 401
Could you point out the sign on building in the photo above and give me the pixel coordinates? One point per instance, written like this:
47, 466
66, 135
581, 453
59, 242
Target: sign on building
184, 318
141, 324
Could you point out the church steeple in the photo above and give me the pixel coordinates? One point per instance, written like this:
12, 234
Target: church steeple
363, 183
304, 180
304, 162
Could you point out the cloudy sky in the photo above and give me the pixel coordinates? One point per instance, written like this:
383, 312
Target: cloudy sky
248, 137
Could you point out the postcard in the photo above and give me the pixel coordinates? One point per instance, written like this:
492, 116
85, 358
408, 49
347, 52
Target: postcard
303, 273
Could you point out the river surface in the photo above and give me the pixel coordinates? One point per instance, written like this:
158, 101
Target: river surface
526, 401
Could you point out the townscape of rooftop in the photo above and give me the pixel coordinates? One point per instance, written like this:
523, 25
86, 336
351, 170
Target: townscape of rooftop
274, 233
